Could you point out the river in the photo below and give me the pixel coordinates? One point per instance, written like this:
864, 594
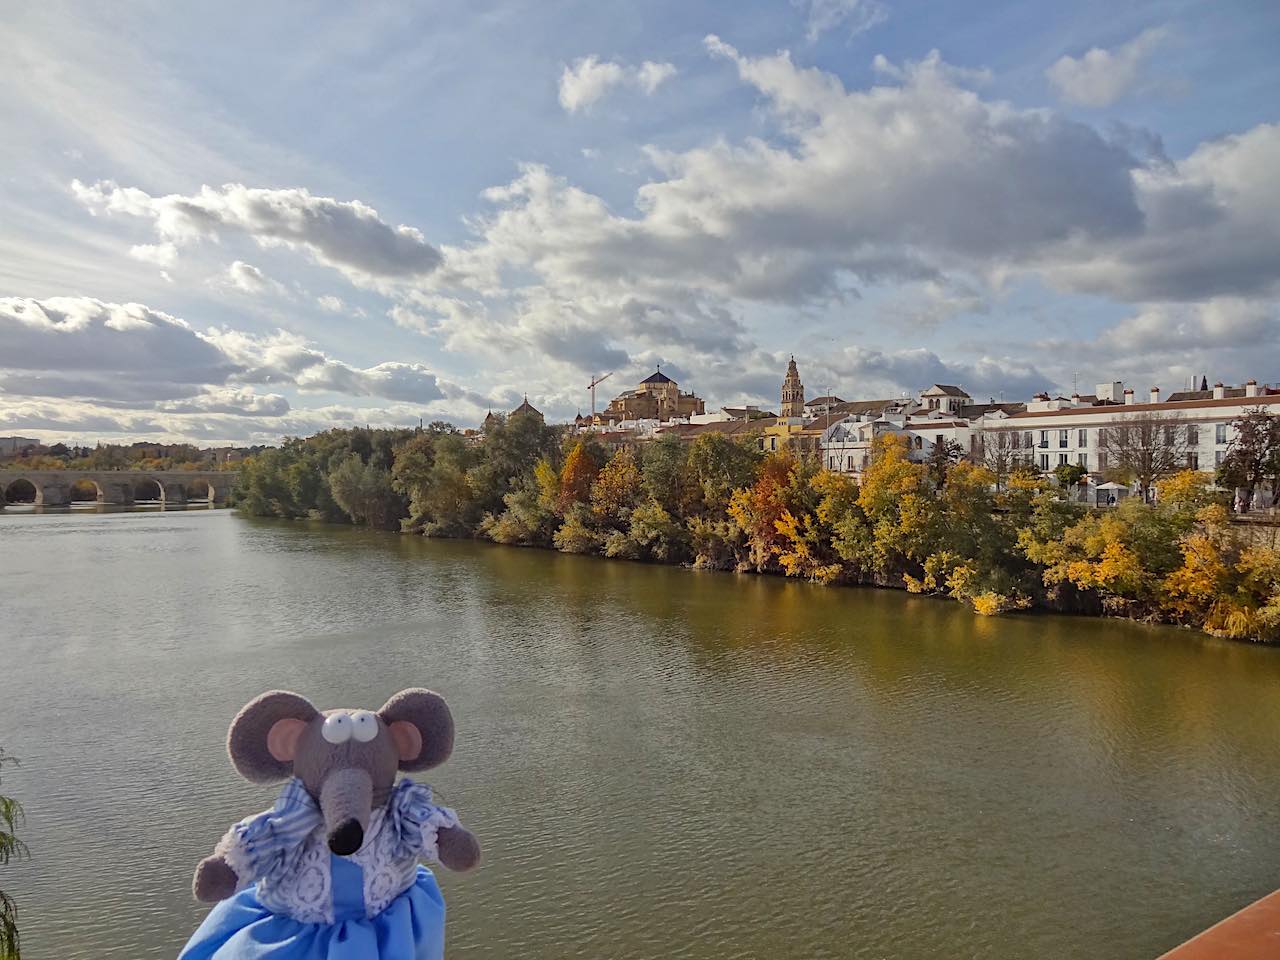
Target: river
658, 762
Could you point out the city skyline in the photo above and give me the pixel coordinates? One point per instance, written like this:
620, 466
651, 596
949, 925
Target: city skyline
208, 239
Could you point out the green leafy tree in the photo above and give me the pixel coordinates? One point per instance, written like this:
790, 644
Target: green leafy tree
363, 491
511, 450
664, 467
720, 465
1068, 475
1253, 457
524, 521
941, 458
11, 848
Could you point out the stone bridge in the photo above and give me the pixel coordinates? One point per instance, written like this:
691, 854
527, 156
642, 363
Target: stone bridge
55, 488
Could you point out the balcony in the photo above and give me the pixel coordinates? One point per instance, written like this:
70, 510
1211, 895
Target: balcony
1251, 934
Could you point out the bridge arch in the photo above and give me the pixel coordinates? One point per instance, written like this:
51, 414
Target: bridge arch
85, 490
148, 490
200, 491
21, 490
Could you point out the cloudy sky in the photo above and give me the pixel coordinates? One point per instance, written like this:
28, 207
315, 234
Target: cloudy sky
238, 221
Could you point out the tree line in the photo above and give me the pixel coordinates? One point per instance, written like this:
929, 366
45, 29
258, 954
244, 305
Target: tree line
948, 527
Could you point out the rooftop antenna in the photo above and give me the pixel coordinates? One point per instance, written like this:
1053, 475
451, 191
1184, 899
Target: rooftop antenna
598, 380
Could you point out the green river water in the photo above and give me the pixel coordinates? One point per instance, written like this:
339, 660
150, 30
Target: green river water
659, 763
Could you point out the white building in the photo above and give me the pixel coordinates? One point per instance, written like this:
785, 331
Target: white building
1056, 431
944, 398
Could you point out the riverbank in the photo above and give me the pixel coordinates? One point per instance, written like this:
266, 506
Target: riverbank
953, 529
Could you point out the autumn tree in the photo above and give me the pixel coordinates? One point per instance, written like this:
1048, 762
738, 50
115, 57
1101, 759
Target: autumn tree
895, 498
1144, 448
780, 486
809, 523
576, 477
617, 488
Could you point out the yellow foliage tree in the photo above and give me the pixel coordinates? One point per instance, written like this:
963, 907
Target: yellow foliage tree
617, 488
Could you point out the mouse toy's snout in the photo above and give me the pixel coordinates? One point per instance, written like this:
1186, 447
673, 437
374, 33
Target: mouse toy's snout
346, 838
346, 799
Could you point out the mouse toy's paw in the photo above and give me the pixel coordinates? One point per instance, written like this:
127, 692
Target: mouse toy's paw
458, 848
214, 880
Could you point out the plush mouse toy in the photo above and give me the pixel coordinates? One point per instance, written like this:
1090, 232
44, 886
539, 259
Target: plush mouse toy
331, 872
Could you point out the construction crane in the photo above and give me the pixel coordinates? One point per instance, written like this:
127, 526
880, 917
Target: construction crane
592, 387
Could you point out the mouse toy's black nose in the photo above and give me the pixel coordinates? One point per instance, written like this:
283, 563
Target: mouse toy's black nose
346, 838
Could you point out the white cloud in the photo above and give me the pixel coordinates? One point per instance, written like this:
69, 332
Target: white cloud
161, 254
854, 16
910, 180
652, 75
83, 347
346, 235
589, 79
237, 401
331, 304
283, 358
1211, 228
77, 347
410, 319
1101, 77
247, 278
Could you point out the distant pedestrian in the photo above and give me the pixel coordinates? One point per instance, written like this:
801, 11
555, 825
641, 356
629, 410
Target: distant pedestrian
1111, 500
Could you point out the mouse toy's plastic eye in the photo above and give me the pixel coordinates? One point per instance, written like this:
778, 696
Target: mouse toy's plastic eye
364, 725
337, 728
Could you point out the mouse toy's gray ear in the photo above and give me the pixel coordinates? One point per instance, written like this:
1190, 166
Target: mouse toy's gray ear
421, 726
264, 735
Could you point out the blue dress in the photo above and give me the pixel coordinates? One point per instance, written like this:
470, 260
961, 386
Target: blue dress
311, 904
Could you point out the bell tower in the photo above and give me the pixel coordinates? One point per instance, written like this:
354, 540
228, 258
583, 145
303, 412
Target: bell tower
792, 392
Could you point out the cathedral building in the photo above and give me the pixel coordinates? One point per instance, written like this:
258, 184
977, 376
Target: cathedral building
658, 397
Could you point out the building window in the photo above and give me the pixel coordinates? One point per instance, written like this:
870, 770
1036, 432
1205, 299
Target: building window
1044, 438
1083, 460
1062, 439
850, 464
1102, 461
1193, 435
938, 439
1220, 433
831, 463
773, 443
1029, 440
1217, 458
1062, 459
1193, 461
919, 443
1082, 438
1044, 462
